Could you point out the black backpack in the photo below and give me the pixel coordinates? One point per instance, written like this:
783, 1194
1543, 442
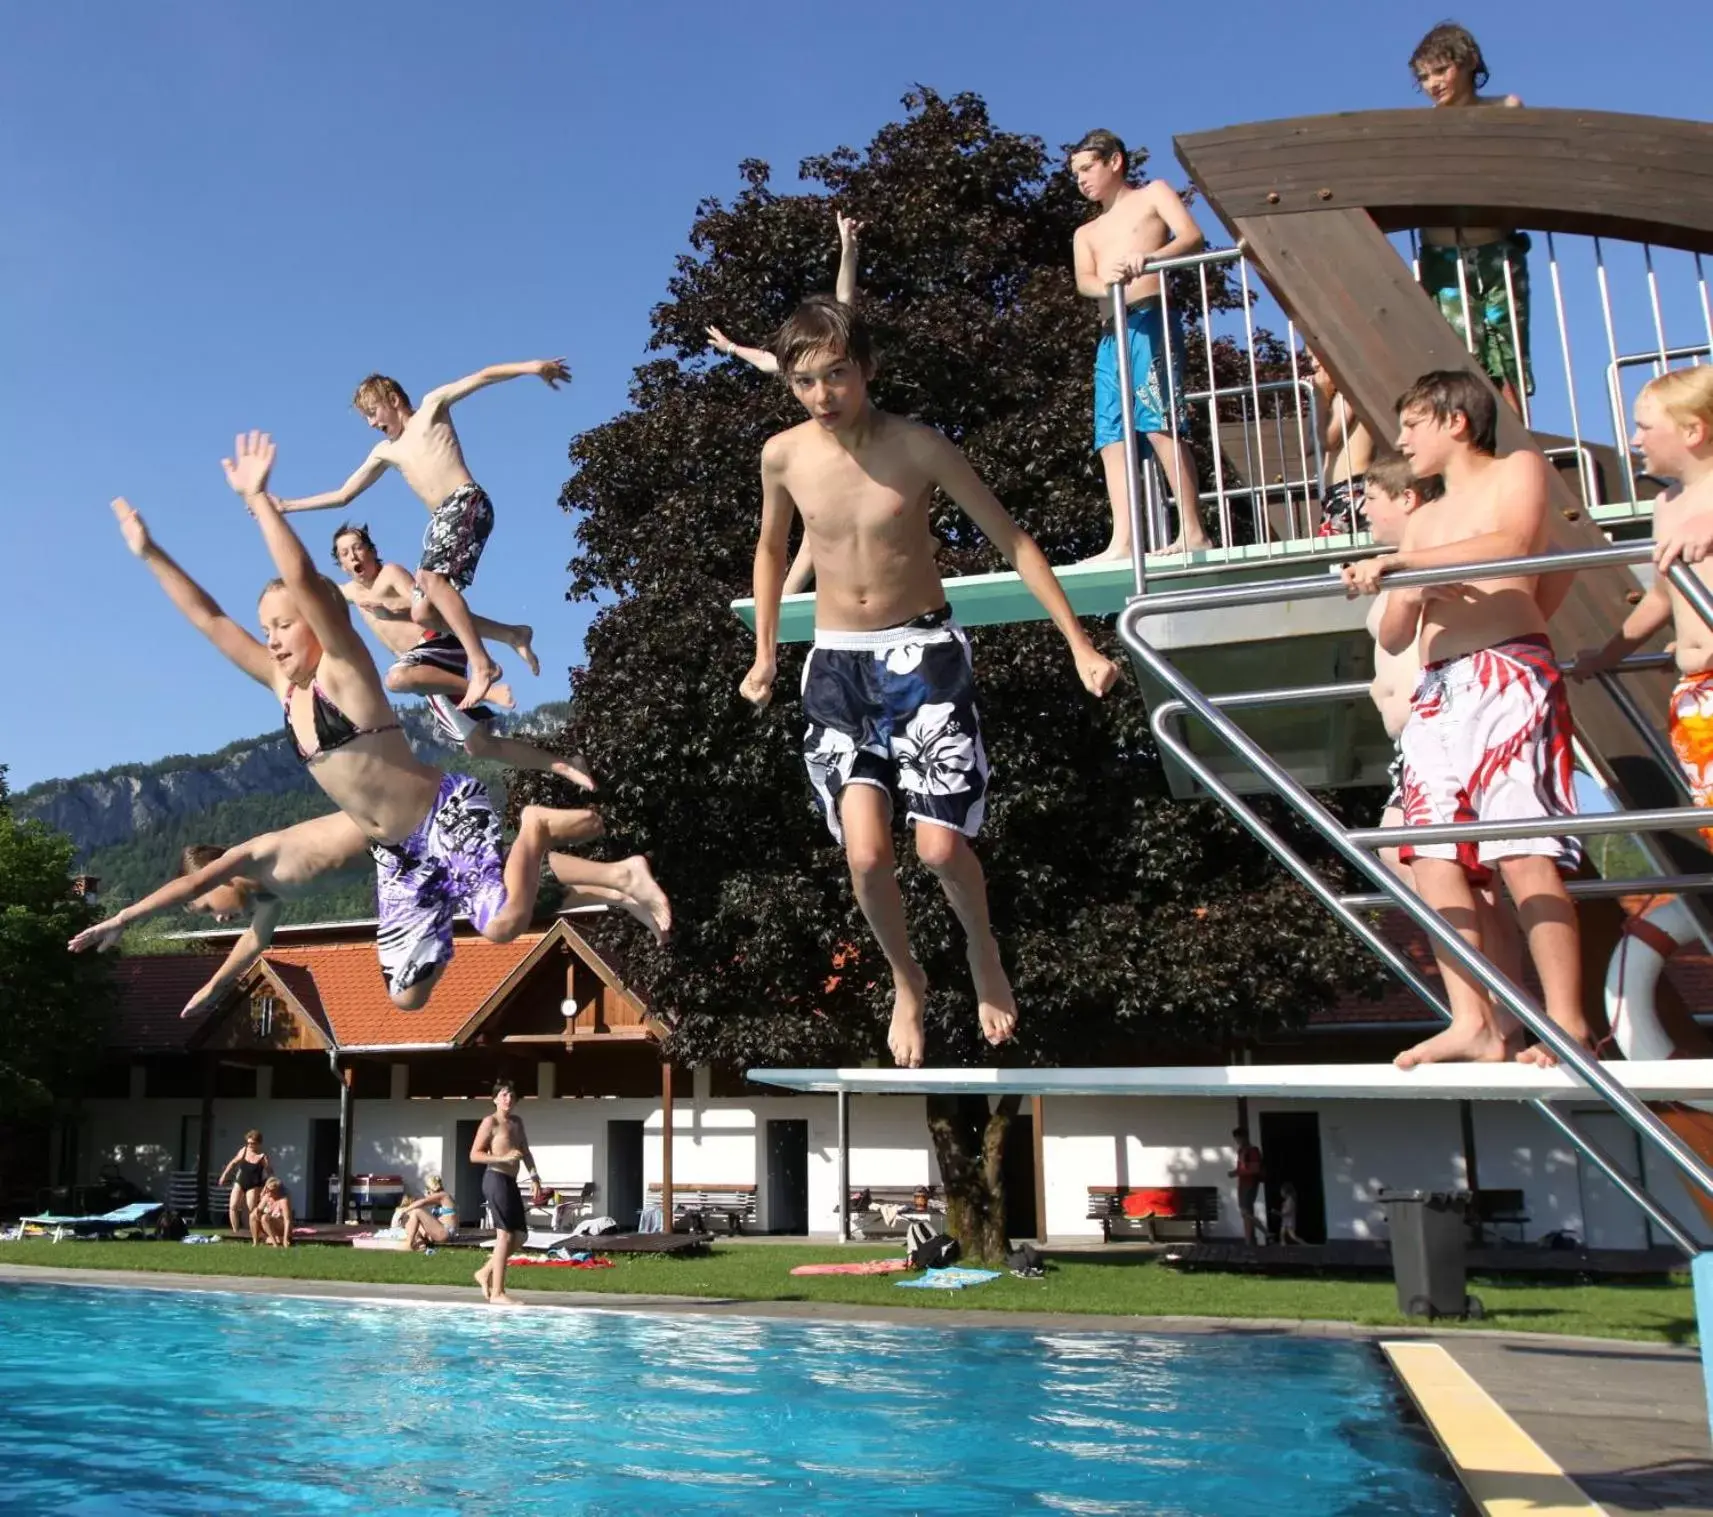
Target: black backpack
1025, 1262
927, 1249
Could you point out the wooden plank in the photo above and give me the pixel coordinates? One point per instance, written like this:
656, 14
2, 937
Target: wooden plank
1377, 331
1642, 178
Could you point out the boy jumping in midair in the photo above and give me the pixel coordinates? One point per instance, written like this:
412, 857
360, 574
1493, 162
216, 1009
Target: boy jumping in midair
422, 445
1489, 735
888, 691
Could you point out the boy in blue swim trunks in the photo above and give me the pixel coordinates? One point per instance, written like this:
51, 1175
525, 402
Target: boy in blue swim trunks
1136, 224
422, 444
888, 692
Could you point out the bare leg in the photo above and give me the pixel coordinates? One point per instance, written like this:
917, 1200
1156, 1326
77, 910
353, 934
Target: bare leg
1549, 920
948, 853
235, 1210
495, 1289
1118, 497
520, 755
865, 814
629, 884
539, 830
448, 604
1474, 1036
423, 679
515, 635
1185, 484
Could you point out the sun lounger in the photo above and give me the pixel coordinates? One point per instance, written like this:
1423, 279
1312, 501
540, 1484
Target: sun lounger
137, 1214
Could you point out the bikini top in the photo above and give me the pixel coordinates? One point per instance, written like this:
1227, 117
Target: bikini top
333, 729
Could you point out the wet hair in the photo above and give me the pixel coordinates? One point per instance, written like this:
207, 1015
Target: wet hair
500, 1085
1108, 145
198, 856
358, 530
1450, 43
1685, 395
822, 325
1443, 393
254, 1135
378, 387
1391, 475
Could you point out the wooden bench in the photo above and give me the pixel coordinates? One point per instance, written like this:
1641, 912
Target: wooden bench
1498, 1209
869, 1221
1135, 1209
733, 1205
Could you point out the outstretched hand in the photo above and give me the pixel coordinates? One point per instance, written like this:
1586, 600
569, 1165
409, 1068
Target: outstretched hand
554, 372
199, 1001
253, 460
100, 937
722, 344
132, 527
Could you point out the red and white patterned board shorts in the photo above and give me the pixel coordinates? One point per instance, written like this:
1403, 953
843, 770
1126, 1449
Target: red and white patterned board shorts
1490, 739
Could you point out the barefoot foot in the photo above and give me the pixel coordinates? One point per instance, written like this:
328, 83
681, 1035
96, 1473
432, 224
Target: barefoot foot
500, 1298
501, 696
1113, 553
995, 1004
1543, 1057
521, 643
905, 1038
1467, 1042
575, 769
481, 1278
482, 679
645, 900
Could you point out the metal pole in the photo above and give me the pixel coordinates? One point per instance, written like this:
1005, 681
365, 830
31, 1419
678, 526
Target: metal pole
1132, 465
1685, 581
1671, 819
666, 1206
1387, 954
1556, 1039
343, 1199
844, 1100
1579, 890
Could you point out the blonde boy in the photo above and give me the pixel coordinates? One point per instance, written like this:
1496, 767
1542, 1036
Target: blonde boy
1489, 735
1674, 434
422, 445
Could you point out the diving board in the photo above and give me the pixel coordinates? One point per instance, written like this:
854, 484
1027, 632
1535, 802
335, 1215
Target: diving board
1650, 1080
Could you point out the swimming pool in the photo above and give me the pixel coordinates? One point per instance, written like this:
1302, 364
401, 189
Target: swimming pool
163, 1401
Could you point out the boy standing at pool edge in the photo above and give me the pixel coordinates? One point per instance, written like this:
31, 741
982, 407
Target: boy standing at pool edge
1489, 736
888, 690
422, 445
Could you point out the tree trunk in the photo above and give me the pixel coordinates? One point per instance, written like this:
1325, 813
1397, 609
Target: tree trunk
969, 1141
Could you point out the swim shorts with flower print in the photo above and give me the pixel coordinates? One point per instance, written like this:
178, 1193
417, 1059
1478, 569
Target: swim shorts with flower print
1692, 738
457, 531
896, 709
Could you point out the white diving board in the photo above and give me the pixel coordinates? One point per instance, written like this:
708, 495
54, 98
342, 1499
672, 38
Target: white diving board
1651, 1080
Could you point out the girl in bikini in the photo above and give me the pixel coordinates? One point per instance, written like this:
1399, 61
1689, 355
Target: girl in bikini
246, 1169
435, 837
271, 1221
430, 1218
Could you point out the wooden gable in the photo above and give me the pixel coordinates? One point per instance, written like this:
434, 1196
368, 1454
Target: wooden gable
562, 993
262, 1015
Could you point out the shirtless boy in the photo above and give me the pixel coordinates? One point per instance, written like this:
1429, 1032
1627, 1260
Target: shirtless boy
1489, 732
1390, 494
423, 446
501, 1145
255, 878
888, 692
1135, 225
1348, 450
435, 838
1450, 71
431, 663
1674, 434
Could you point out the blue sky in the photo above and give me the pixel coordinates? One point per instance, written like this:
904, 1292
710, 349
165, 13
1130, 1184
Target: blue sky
222, 216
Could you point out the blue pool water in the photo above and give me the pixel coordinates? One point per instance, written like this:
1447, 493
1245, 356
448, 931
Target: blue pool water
158, 1401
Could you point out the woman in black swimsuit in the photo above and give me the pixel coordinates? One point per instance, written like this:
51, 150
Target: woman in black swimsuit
247, 1169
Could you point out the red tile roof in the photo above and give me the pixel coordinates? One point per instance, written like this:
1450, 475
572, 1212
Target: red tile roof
152, 991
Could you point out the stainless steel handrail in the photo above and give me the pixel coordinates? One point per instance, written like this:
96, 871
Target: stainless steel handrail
1342, 909
1672, 819
1581, 890
1566, 1048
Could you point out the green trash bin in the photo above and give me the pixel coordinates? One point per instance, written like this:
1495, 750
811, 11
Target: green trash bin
1429, 1237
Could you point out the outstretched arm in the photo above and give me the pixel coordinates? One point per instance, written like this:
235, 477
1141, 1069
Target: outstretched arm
850, 229
552, 370
199, 607
187, 887
769, 578
951, 471
252, 942
756, 358
371, 469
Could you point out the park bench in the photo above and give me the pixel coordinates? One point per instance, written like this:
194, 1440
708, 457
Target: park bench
873, 1205
1132, 1210
731, 1205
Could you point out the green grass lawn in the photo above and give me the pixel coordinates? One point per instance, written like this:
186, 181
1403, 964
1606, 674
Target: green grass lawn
1118, 1284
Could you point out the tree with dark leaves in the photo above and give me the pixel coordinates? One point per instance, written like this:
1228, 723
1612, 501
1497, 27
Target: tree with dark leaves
1131, 924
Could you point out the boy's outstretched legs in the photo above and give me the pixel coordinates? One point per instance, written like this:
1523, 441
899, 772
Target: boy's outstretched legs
629, 884
427, 679
947, 852
542, 832
865, 817
482, 743
447, 602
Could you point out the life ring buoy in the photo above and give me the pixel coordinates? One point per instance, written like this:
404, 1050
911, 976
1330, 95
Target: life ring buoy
1632, 978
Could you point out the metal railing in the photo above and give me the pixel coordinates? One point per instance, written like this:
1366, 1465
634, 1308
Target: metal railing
1356, 848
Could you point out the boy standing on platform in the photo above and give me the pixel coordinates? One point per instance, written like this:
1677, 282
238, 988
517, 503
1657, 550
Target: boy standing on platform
1489, 735
1136, 224
888, 691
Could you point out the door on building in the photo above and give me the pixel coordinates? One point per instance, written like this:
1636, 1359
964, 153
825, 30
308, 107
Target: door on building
1290, 1150
624, 1172
1610, 1219
1017, 1171
323, 1167
467, 1177
788, 1175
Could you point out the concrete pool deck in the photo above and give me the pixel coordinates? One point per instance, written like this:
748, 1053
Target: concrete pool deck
1627, 1422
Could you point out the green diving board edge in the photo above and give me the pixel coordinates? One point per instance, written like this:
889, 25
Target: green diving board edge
980, 600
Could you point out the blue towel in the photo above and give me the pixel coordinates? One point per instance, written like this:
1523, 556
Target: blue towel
950, 1279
